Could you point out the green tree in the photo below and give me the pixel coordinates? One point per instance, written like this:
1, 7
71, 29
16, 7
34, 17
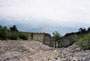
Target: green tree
14, 28
88, 30
12, 33
3, 33
0, 27
56, 36
82, 30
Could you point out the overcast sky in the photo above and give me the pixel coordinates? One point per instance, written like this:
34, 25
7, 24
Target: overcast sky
64, 13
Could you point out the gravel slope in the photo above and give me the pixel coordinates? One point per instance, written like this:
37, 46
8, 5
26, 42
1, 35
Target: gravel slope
35, 51
25, 51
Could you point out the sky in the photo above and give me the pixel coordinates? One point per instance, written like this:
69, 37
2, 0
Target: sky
46, 15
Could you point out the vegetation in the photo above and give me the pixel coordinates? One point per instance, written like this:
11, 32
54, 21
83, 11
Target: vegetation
12, 33
14, 28
23, 36
56, 35
84, 42
82, 38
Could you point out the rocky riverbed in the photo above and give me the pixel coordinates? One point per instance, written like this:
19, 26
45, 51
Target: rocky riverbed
35, 51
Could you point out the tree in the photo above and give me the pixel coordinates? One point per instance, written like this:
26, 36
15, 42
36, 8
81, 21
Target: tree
0, 27
3, 33
82, 30
14, 28
88, 29
56, 36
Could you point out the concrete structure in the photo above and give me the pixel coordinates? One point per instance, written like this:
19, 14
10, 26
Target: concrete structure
61, 42
42, 37
65, 42
45, 38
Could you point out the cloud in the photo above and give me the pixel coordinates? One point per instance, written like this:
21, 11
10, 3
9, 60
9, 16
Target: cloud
53, 13
65, 10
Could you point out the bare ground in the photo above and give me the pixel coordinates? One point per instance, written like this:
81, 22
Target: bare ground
20, 50
25, 51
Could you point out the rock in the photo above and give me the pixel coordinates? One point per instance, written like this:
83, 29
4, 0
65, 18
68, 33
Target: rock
56, 59
36, 51
25, 51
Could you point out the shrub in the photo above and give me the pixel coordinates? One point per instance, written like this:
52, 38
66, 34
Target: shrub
84, 42
13, 36
3, 33
23, 36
